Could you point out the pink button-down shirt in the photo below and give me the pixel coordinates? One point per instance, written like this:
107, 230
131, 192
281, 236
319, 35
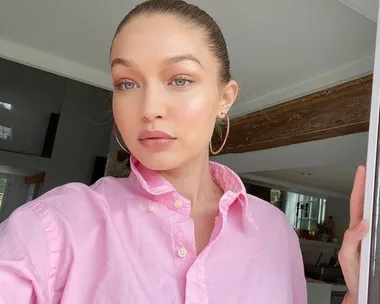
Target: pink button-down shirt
132, 241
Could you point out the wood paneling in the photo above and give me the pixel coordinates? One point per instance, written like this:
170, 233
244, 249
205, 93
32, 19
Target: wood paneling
337, 111
35, 179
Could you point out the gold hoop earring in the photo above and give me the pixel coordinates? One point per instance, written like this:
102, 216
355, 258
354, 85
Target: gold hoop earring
117, 139
225, 138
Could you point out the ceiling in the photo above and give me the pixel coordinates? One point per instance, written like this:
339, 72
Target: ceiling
336, 179
368, 8
279, 49
324, 167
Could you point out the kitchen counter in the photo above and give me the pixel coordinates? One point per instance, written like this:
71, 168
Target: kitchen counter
336, 287
321, 292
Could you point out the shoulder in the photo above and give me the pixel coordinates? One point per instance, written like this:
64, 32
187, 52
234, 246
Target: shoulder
270, 220
80, 194
64, 210
264, 211
267, 216
74, 201
76, 190
70, 201
42, 233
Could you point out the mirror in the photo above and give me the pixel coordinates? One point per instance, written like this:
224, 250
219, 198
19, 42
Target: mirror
301, 143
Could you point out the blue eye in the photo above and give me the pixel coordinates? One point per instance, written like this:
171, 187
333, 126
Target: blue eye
126, 85
181, 82
129, 85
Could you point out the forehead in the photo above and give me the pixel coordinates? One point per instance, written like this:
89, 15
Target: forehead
155, 37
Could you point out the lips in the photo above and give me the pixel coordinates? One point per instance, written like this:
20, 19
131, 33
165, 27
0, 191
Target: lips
154, 135
156, 139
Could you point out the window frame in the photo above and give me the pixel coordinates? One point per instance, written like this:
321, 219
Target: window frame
8, 178
291, 214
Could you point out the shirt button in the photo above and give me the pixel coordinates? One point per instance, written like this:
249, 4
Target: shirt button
178, 204
152, 208
182, 252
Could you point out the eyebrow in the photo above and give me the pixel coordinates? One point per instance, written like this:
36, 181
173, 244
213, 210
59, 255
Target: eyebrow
167, 61
120, 61
180, 58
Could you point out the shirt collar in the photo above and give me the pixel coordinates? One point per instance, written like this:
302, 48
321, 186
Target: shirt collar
159, 189
155, 184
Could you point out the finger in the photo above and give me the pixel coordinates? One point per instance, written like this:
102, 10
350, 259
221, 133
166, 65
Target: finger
357, 197
349, 251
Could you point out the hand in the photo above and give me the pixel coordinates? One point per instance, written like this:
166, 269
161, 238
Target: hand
349, 254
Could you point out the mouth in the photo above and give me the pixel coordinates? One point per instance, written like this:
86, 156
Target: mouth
156, 139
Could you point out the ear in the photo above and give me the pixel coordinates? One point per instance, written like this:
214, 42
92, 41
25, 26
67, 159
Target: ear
229, 94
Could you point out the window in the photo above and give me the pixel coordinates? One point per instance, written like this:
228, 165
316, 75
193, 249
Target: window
305, 212
6, 106
5, 132
3, 183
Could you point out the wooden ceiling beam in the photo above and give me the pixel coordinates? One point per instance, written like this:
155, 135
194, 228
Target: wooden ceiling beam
337, 111
35, 179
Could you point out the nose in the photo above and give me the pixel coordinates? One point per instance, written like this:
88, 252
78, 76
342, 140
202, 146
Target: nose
153, 106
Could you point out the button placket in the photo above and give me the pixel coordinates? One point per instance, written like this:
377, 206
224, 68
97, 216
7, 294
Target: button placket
196, 291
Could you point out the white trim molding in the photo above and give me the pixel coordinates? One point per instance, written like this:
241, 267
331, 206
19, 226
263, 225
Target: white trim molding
54, 64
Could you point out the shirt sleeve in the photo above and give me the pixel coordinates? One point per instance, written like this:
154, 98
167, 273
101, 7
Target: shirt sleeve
24, 259
299, 285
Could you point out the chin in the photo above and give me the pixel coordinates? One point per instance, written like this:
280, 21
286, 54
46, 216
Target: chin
160, 161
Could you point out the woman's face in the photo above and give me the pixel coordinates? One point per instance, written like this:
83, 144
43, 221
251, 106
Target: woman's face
167, 93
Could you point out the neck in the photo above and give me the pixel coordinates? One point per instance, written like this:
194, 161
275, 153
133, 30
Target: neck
194, 181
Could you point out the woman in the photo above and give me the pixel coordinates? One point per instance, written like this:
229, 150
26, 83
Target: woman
180, 229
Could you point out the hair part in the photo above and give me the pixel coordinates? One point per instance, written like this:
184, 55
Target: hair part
193, 15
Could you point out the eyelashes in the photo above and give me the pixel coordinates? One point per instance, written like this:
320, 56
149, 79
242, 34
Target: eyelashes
181, 81
178, 82
125, 84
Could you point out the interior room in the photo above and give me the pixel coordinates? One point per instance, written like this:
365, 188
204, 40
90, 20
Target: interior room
299, 128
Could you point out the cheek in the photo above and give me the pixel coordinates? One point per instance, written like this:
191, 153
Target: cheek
199, 105
123, 115
197, 116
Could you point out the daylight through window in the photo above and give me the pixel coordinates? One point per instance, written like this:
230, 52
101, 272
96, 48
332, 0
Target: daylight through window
5, 132
3, 183
6, 105
305, 212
